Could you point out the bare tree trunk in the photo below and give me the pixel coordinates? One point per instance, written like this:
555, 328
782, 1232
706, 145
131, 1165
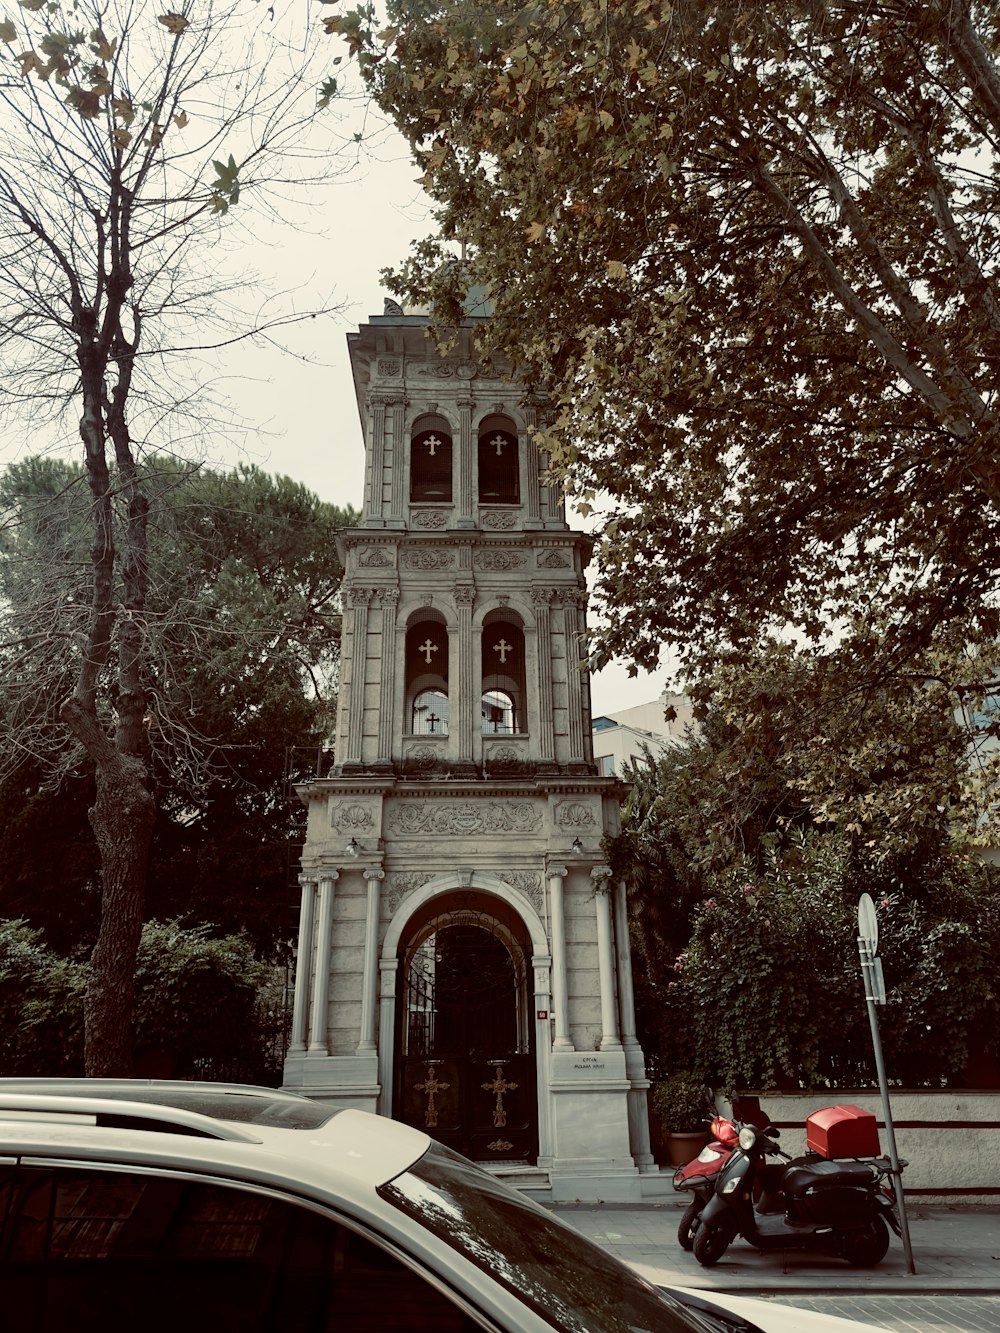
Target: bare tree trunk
122, 819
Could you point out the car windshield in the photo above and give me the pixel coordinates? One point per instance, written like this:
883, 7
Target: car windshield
564, 1277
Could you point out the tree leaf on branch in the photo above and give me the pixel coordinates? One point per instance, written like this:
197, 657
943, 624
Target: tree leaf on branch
175, 23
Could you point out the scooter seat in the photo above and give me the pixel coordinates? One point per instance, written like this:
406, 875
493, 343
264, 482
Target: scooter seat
819, 1175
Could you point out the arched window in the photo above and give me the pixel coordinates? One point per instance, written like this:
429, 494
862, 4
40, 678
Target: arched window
499, 462
427, 677
430, 460
503, 686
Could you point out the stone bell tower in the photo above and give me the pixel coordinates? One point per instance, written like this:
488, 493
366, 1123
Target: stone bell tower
463, 956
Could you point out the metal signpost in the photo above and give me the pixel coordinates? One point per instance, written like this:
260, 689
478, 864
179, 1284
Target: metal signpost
871, 971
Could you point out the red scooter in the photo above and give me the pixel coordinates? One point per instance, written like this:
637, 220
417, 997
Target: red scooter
699, 1175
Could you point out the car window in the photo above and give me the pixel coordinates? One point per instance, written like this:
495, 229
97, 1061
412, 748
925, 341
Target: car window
568, 1280
85, 1251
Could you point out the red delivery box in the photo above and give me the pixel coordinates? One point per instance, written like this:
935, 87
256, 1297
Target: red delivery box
842, 1131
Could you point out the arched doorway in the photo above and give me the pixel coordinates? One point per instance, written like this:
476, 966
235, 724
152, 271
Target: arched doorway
465, 1070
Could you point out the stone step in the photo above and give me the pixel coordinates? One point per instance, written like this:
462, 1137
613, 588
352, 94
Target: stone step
530, 1180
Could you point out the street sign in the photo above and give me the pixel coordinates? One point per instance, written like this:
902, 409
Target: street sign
868, 922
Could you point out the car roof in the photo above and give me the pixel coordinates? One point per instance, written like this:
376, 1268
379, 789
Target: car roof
244, 1130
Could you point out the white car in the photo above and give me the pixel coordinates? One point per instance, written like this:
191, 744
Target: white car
156, 1207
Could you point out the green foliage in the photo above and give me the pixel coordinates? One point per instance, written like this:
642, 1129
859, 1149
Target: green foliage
198, 1000
242, 633
750, 248
681, 1103
41, 1006
204, 1005
768, 990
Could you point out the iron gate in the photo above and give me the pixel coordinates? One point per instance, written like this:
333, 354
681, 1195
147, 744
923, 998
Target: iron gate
466, 1072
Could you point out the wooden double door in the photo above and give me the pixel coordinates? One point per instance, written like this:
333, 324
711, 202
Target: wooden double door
465, 1070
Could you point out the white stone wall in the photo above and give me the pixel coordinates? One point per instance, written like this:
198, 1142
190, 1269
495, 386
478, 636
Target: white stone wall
950, 1138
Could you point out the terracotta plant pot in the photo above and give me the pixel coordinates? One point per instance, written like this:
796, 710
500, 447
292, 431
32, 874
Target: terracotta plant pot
682, 1147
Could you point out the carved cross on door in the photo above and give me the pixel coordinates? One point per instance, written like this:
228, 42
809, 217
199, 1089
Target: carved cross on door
427, 648
433, 444
498, 443
432, 1087
503, 648
499, 1086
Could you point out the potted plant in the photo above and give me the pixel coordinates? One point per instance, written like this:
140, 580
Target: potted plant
682, 1106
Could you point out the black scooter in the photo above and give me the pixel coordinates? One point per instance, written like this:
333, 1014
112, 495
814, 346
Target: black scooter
838, 1207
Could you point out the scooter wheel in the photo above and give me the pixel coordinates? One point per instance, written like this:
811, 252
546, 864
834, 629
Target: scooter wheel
711, 1242
688, 1224
866, 1247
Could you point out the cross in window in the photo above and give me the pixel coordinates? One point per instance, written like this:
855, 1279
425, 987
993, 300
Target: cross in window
432, 722
427, 648
503, 648
498, 444
433, 444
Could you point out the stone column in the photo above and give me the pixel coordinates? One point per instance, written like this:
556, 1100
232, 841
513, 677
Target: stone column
389, 598
465, 690
532, 477
321, 981
303, 966
376, 459
360, 599
543, 647
610, 1038
560, 995
400, 471
570, 598
388, 968
369, 993
466, 453
635, 1063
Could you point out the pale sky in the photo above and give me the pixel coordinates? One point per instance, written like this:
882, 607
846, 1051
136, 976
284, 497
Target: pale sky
302, 419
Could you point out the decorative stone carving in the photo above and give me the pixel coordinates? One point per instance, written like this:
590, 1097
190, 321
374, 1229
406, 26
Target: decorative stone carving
390, 368
527, 882
375, 557
504, 756
447, 370
500, 559
398, 887
465, 594
498, 519
541, 596
361, 596
434, 558
553, 560
601, 877
429, 518
574, 814
464, 817
388, 596
353, 816
424, 758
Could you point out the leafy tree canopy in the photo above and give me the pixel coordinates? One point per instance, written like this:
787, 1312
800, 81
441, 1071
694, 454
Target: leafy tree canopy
244, 630
749, 247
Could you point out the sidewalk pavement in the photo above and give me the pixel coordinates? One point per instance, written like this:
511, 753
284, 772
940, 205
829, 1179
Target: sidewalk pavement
955, 1250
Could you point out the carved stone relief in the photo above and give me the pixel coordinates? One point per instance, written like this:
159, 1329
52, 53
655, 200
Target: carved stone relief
351, 816
447, 370
464, 817
389, 368
527, 882
375, 557
553, 560
424, 758
498, 519
503, 756
500, 559
429, 518
574, 814
432, 559
399, 886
